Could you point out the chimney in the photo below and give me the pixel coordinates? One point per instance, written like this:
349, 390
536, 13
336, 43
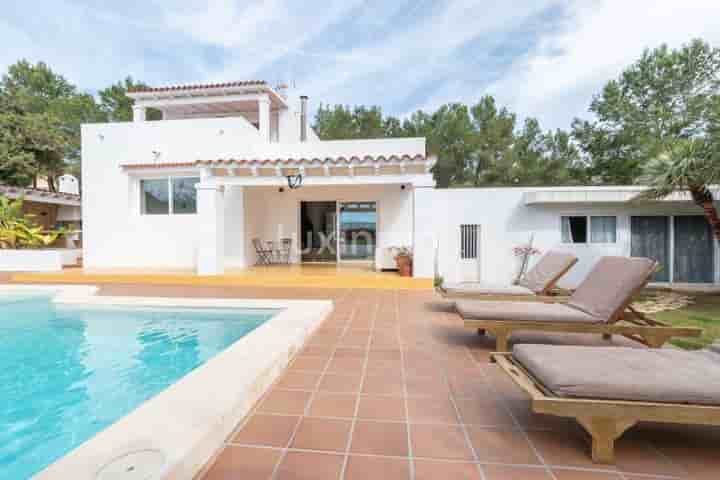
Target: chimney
303, 118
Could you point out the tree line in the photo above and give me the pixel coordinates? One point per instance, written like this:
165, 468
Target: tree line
40, 117
657, 124
665, 97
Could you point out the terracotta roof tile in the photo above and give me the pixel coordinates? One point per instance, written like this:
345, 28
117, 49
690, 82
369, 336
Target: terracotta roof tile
335, 160
198, 86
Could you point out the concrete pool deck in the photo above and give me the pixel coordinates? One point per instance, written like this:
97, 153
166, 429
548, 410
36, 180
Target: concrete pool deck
391, 386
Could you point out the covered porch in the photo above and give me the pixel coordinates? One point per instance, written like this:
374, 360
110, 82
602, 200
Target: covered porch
331, 207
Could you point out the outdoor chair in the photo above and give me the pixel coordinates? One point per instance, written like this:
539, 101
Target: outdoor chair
609, 389
264, 255
601, 305
536, 285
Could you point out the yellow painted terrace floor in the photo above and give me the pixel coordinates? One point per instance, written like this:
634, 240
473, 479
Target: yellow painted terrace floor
306, 275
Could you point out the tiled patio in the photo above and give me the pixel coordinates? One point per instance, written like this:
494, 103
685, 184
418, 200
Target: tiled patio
391, 386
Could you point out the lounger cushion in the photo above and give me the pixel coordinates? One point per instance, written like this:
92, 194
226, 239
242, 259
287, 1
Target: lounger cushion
485, 289
521, 311
547, 270
610, 284
621, 373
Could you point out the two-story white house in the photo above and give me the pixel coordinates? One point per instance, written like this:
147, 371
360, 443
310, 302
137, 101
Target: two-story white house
236, 162
234, 166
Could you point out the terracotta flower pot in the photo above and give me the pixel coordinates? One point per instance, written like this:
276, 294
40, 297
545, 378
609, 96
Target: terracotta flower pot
404, 263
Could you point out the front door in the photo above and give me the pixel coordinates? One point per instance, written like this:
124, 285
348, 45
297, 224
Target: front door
693, 250
318, 222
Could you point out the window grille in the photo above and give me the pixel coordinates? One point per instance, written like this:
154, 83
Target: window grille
469, 236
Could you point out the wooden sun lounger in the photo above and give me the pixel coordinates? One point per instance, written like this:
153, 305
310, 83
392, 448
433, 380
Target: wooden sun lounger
546, 292
604, 420
633, 325
621, 320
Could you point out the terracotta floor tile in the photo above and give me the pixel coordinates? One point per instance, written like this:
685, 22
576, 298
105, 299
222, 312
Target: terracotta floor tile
322, 434
299, 380
379, 438
309, 364
500, 472
386, 355
567, 474
333, 405
376, 366
246, 463
346, 365
469, 387
310, 465
439, 441
431, 410
427, 386
345, 352
340, 383
379, 468
432, 470
488, 413
317, 351
382, 385
355, 341
502, 446
285, 401
269, 430
563, 448
634, 455
382, 408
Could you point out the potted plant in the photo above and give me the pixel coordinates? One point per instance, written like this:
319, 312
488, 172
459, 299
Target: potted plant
403, 259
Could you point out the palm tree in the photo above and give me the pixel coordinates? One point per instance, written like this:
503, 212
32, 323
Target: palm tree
687, 165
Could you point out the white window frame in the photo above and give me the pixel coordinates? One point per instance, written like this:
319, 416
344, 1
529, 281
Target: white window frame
588, 220
169, 179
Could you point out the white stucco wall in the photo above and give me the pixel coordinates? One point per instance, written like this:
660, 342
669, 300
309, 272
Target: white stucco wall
272, 215
114, 232
507, 222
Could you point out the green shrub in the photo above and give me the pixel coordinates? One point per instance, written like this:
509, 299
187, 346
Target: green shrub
18, 231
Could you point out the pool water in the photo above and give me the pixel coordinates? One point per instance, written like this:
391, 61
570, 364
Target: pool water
67, 372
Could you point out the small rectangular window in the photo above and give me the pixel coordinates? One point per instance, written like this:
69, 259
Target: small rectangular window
469, 239
574, 230
155, 198
603, 229
184, 195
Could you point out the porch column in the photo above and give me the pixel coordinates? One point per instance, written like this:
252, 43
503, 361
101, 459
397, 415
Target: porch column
211, 229
138, 113
264, 117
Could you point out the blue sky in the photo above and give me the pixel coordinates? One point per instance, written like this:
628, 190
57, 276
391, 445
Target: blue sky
543, 58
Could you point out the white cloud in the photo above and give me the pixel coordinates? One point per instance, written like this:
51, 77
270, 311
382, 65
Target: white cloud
556, 80
543, 58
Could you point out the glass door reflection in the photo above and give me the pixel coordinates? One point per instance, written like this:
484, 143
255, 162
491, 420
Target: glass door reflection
357, 228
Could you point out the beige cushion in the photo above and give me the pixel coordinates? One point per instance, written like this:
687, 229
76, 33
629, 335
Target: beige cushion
620, 373
473, 288
547, 270
521, 311
609, 285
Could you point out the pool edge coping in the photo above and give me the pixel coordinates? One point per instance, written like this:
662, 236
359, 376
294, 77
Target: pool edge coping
180, 422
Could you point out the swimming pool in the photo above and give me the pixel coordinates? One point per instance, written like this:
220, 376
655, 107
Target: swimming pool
67, 372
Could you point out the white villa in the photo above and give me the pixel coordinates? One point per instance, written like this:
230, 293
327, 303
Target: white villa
236, 162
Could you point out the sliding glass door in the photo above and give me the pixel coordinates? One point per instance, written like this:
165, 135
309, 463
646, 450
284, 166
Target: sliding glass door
357, 231
318, 223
